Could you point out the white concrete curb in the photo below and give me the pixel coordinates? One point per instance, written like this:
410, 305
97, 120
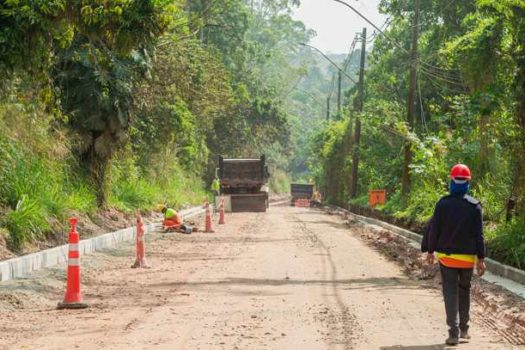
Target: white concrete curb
283, 201
493, 266
18, 267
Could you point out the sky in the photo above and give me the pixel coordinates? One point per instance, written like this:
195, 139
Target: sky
335, 24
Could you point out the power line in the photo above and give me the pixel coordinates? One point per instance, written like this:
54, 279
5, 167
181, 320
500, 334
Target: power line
444, 72
350, 53
383, 27
439, 85
445, 79
379, 30
332, 62
332, 84
346, 63
422, 110
372, 24
311, 96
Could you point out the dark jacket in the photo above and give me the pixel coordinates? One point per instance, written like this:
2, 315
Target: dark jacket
457, 227
424, 241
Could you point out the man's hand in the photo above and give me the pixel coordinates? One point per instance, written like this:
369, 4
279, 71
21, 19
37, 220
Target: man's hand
430, 258
480, 266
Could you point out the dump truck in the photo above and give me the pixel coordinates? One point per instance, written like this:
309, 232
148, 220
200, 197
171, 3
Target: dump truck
301, 191
244, 183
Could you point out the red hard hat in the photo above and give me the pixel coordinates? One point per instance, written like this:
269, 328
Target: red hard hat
460, 171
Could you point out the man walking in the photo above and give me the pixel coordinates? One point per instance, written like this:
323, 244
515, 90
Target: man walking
456, 235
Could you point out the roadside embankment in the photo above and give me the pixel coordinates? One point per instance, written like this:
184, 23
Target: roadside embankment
20, 266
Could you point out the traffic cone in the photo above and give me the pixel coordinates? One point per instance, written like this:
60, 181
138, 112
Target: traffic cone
221, 212
73, 297
140, 260
208, 227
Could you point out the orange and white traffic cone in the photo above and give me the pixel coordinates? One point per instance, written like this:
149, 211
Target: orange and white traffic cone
208, 225
73, 297
140, 261
221, 212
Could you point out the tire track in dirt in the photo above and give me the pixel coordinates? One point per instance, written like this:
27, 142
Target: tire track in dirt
286, 279
344, 322
398, 249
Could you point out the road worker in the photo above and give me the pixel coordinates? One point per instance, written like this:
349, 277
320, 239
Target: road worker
172, 220
316, 199
456, 236
216, 186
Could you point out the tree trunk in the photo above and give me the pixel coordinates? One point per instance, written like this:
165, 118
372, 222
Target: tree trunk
520, 185
359, 106
484, 145
99, 175
411, 101
520, 110
97, 158
406, 181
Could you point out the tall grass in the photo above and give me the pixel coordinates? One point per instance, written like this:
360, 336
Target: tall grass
507, 243
134, 188
36, 182
40, 183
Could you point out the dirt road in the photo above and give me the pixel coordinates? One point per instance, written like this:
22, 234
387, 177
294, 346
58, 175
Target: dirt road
287, 279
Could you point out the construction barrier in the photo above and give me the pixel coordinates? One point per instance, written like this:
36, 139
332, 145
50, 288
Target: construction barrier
21, 266
376, 197
140, 261
221, 212
302, 203
73, 297
208, 224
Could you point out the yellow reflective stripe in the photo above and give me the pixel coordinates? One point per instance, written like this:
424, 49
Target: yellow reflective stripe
463, 257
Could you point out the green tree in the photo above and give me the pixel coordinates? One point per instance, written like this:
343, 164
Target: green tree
98, 72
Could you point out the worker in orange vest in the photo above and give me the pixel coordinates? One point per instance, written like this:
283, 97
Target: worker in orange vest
456, 236
172, 220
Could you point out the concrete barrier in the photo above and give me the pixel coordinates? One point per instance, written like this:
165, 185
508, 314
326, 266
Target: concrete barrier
493, 266
20, 266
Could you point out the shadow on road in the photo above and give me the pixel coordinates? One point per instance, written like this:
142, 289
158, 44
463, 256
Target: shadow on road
357, 283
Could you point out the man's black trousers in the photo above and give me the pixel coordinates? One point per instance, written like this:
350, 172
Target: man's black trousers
456, 292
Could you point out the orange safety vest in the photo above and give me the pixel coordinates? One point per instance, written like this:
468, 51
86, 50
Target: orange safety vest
457, 261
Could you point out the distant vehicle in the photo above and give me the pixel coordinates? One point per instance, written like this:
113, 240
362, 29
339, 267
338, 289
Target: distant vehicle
245, 182
301, 191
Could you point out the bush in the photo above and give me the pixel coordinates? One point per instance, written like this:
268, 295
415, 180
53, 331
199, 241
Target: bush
279, 182
507, 243
135, 188
26, 222
36, 180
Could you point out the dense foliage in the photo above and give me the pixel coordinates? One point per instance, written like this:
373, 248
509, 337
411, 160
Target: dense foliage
128, 103
470, 109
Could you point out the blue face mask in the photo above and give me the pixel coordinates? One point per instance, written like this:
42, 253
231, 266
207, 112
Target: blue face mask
459, 189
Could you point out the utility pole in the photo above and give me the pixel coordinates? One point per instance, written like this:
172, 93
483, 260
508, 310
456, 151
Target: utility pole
359, 109
339, 92
328, 109
411, 101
